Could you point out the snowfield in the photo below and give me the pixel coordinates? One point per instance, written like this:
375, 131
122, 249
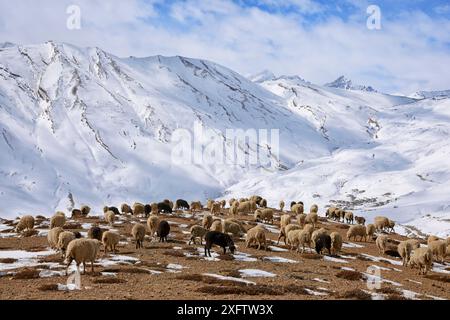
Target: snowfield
81, 126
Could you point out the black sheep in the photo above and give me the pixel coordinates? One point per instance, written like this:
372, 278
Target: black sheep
147, 210
323, 242
182, 204
115, 210
218, 238
293, 203
95, 233
77, 235
164, 207
163, 230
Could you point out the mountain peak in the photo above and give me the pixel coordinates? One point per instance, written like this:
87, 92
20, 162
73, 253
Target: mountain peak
343, 82
262, 76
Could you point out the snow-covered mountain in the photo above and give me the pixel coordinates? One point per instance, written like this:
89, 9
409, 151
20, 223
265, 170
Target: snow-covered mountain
80, 125
343, 83
442, 94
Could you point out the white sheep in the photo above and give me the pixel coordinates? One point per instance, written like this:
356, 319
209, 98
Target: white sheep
404, 249
285, 230
110, 217
282, 205
196, 206
297, 208
293, 238
215, 208
309, 228
244, 207
53, 237
64, 239
438, 249
432, 238
152, 224
381, 243
256, 235
421, 258
301, 219
348, 216
85, 210
232, 227
414, 243
82, 251
25, 223
357, 230
381, 223
304, 238
197, 232
216, 226
370, 230
138, 233
231, 201
312, 218
138, 209
110, 240
314, 208
265, 215
336, 242
234, 209
58, 220
391, 225
285, 220
125, 208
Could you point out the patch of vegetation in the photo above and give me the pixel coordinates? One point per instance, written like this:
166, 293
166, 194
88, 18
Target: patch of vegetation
350, 275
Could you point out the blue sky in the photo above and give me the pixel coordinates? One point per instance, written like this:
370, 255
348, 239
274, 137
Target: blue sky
316, 39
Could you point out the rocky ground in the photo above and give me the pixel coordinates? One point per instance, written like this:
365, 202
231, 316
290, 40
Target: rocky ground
176, 270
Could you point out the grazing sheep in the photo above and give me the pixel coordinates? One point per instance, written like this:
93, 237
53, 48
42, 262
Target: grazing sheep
265, 215
421, 258
257, 199
304, 238
292, 204
244, 207
138, 209
381, 223
438, 249
285, 220
234, 209
110, 240
232, 227
237, 222
196, 206
357, 230
82, 251
152, 224
216, 226
231, 201
312, 218
164, 207
169, 203
370, 230
309, 228
126, 209
256, 235
181, 204
95, 232
414, 243
281, 205
113, 209
64, 239
339, 214
209, 204
315, 235
76, 213
110, 217
432, 238
336, 243
163, 230
285, 230
330, 213
360, 220
381, 243
253, 205
293, 238
58, 220
323, 241
391, 225
218, 238
348, 217
138, 233
207, 221
26, 223
155, 210
301, 219
263, 203
197, 232
314, 208
297, 208
215, 208
404, 249
223, 204
85, 210
53, 237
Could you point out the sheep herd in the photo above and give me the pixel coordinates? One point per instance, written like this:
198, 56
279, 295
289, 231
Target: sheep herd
298, 229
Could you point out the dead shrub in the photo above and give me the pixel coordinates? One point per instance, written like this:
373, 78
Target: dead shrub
350, 275
252, 290
343, 226
225, 257
26, 274
8, 260
52, 258
72, 226
311, 256
48, 287
355, 294
174, 253
109, 280
438, 277
29, 233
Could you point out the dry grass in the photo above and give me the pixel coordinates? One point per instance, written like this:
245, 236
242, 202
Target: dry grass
109, 280
241, 290
438, 277
8, 260
395, 296
73, 226
210, 280
343, 226
311, 256
363, 258
26, 274
387, 290
350, 275
29, 233
355, 294
225, 257
48, 287
174, 253
52, 258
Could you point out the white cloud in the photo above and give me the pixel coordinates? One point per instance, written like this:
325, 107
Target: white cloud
407, 54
